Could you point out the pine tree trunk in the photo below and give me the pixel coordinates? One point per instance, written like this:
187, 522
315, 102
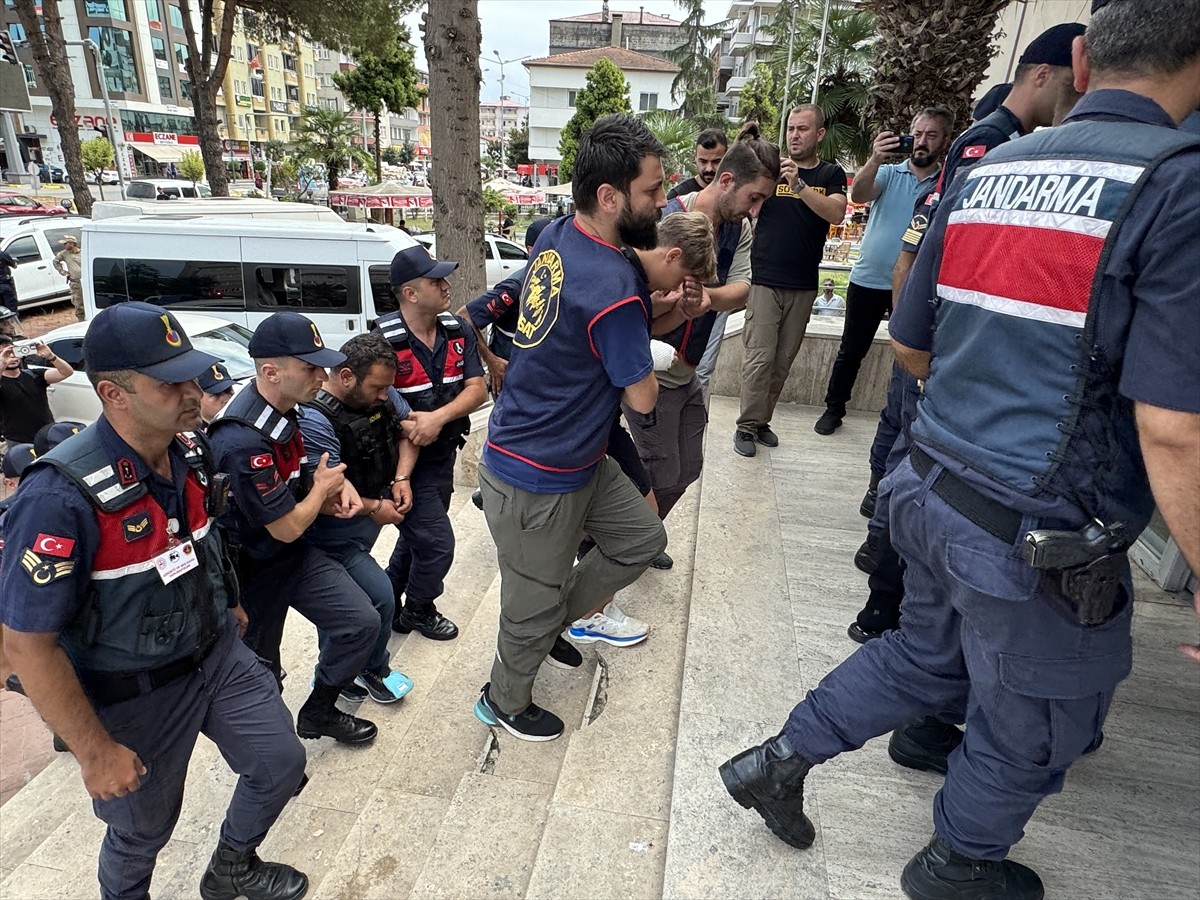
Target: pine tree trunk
53, 69
452, 41
929, 52
206, 76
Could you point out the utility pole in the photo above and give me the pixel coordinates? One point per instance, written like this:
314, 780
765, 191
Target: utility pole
113, 130
503, 141
787, 84
820, 52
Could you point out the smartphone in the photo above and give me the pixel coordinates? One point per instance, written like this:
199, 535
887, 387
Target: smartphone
24, 348
906, 144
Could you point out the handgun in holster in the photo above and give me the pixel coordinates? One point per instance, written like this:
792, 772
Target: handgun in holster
217, 501
1090, 564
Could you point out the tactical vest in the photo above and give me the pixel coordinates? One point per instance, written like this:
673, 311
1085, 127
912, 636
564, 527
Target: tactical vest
1023, 386
287, 444
368, 442
131, 621
427, 391
691, 338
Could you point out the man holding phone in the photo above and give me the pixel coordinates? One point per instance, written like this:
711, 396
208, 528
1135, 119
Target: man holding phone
891, 184
24, 406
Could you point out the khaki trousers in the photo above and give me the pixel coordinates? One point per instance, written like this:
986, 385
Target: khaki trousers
776, 319
541, 593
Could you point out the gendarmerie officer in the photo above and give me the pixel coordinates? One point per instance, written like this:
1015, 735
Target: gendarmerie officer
121, 617
1062, 386
439, 373
273, 501
217, 385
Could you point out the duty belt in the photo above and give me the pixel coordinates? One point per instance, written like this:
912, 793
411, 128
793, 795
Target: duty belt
993, 517
107, 688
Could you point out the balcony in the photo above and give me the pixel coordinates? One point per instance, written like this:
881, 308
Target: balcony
289, 76
742, 42
259, 103
726, 63
293, 107
736, 83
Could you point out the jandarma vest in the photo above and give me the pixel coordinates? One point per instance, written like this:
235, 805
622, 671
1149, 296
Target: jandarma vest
1023, 386
287, 445
368, 442
427, 391
131, 620
691, 338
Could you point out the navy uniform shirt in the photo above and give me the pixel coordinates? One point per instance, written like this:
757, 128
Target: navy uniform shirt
50, 519
968, 148
500, 307
1152, 317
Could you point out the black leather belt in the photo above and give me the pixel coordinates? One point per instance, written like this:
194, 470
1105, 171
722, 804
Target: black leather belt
993, 517
107, 688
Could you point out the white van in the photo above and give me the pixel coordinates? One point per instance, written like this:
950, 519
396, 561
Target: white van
243, 270
247, 207
33, 243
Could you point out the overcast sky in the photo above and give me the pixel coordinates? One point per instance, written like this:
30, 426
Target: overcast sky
522, 28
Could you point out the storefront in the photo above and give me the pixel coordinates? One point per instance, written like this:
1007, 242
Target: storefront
157, 154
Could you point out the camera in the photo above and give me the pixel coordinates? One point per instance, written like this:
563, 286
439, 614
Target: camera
24, 348
906, 144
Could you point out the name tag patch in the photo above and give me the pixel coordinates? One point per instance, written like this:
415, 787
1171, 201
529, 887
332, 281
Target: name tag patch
174, 561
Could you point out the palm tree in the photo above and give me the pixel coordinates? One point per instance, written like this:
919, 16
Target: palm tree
327, 136
677, 135
929, 51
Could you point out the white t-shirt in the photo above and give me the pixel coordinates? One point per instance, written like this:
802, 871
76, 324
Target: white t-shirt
833, 306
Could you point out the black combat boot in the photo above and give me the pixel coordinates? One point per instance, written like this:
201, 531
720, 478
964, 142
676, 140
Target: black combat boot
769, 779
867, 507
940, 873
924, 744
240, 873
319, 717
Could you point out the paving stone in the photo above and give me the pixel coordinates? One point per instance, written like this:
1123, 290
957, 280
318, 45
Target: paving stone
30, 882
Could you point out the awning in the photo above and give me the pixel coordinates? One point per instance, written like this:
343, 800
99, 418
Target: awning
163, 153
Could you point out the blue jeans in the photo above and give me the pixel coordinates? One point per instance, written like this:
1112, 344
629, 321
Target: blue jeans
982, 636
708, 362
354, 554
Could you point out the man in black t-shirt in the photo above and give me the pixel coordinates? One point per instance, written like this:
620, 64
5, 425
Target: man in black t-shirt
711, 146
24, 406
786, 258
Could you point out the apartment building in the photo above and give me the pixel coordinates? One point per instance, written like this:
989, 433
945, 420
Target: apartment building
500, 117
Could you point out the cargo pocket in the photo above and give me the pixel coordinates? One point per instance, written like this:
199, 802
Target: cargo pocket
992, 573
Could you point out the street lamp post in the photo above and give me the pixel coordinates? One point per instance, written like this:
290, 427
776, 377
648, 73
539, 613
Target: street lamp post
503, 142
113, 131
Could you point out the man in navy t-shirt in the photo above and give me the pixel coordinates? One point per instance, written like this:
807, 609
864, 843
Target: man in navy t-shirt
582, 345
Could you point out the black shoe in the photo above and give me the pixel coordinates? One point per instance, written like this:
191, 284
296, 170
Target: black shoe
924, 744
769, 779
867, 507
427, 621
353, 693
564, 655
830, 421
766, 436
534, 724
662, 561
318, 717
940, 873
240, 873
866, 560
860, 635
477, 498
60, 746
13, 683
743, 443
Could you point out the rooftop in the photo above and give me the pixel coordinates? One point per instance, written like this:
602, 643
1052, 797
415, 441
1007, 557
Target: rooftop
629, 17
624, 59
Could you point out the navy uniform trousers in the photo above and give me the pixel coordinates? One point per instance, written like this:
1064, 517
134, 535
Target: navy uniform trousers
231, 699
424, 550
981, 637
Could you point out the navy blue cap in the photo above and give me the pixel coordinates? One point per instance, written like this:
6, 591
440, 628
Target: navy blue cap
50, 436
291, 334
17, 460
215, 379
534, 231
1053, 46
990, 102
145, 338
415, 262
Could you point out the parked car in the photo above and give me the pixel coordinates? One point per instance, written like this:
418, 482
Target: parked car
74, 399
165, 189
14, 204
107, 176
51, 174
32, 242
501, 256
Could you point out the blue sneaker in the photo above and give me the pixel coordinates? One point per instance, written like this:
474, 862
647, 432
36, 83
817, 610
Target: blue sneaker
611, 626
387, 688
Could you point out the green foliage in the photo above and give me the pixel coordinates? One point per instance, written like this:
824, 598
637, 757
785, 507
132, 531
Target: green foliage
191, 166
326, 136
97, 154
694, 83
406, 154
285, 172
368, 25
759, 101
678, 136
274, 150
606, 92
518, 146
493, 200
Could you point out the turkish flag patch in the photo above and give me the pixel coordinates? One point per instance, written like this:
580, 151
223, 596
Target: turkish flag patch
975, 151
262, 461
52, 545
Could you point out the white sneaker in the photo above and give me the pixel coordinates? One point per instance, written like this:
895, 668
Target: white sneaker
611, 626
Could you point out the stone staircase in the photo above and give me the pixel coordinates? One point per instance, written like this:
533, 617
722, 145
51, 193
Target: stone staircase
628, 802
